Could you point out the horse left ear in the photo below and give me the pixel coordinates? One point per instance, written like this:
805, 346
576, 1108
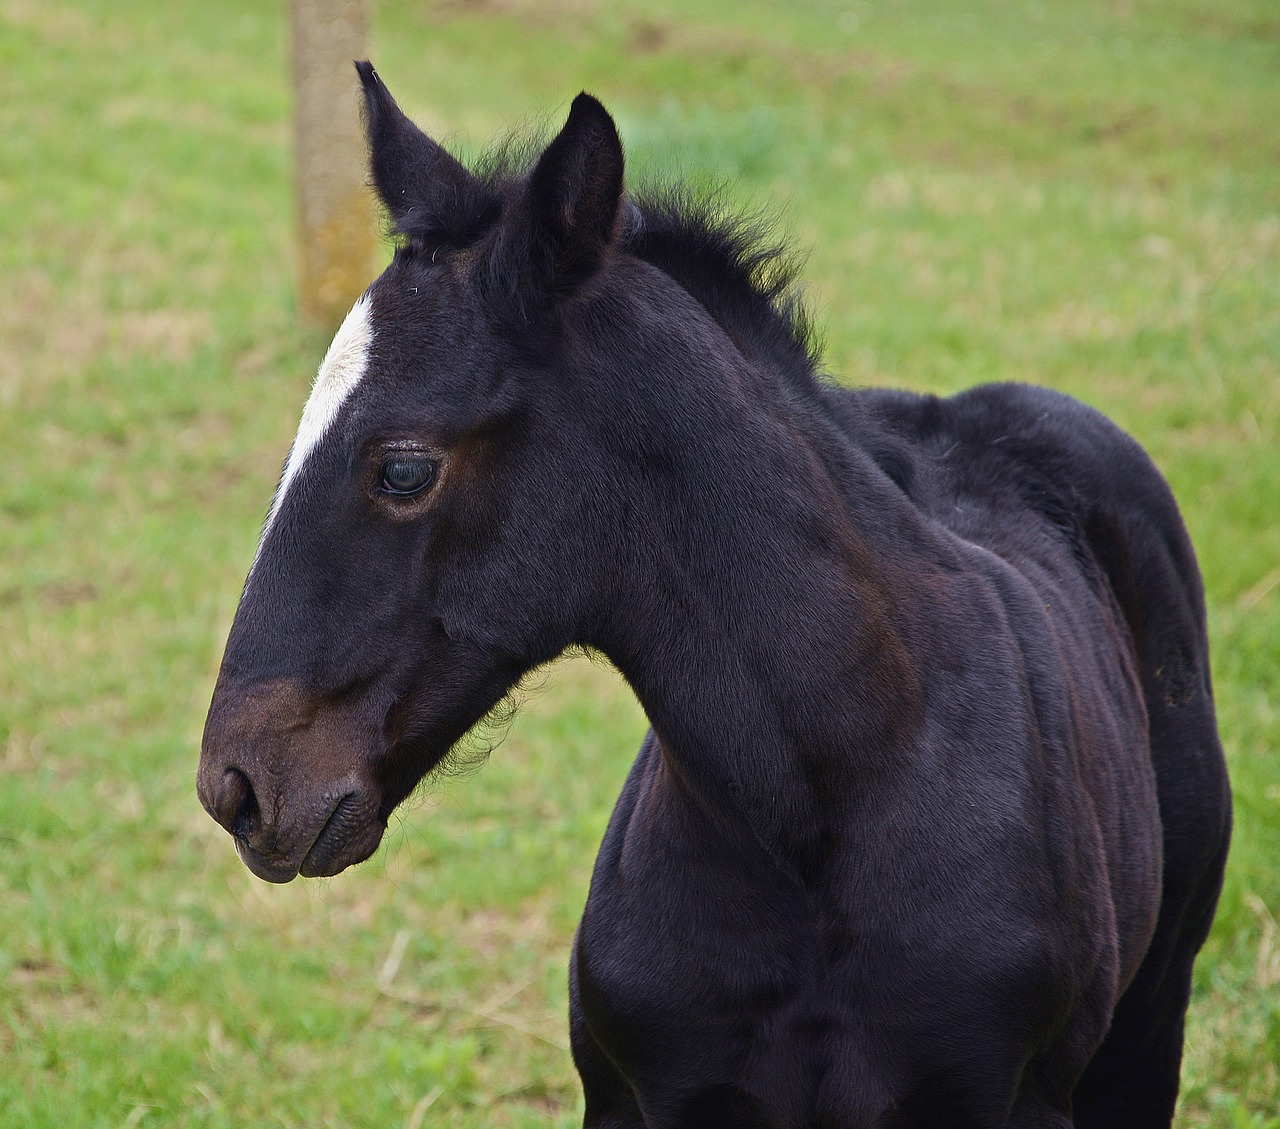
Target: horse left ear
573, 196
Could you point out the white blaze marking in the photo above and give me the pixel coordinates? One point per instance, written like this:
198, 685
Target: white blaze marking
339, 373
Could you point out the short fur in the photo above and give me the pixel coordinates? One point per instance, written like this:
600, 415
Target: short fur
933, 816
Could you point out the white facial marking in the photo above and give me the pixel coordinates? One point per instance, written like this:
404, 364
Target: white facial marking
339, 373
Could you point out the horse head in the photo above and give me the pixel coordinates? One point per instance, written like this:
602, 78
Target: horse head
428, 540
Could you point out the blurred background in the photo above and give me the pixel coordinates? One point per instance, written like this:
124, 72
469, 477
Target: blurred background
1083, 193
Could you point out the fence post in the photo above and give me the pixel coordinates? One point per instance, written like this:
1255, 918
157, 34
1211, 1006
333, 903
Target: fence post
335, 217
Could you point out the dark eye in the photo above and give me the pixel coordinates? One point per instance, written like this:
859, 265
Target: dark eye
405, 477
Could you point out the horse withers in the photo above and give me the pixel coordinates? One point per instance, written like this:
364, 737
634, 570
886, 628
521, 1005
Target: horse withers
932, 817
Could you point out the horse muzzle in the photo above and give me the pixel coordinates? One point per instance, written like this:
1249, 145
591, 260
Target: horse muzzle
284, 774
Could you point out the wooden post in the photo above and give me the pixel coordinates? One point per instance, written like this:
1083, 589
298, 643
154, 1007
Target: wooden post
336, 225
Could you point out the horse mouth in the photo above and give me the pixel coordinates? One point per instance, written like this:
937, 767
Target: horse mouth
347, 832
269, 868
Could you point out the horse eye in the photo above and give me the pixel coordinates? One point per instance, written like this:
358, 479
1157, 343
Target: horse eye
406, 477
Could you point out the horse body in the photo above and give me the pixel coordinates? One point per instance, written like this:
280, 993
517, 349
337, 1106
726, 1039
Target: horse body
866, 887
932, 817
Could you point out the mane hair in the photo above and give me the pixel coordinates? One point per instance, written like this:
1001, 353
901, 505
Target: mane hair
731, 262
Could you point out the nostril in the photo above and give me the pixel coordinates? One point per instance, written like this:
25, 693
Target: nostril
237, 808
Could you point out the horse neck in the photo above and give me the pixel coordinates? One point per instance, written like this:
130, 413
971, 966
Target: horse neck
764, 625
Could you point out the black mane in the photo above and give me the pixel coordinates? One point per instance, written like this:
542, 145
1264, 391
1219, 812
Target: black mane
731, 263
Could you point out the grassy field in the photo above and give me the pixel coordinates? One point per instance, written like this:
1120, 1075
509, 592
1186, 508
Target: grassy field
1084, 194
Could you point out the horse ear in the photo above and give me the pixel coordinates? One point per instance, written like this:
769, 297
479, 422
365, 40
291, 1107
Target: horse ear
573, 195
428, 192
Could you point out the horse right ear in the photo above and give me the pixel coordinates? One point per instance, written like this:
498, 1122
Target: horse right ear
430, 196
573, 196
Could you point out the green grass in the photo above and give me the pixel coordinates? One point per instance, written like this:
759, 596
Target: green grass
1085, 194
